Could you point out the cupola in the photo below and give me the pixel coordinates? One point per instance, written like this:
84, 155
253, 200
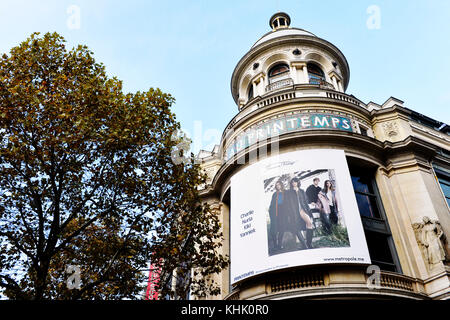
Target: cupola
279, 20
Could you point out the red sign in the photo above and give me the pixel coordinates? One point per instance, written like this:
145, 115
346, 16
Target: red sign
153, 279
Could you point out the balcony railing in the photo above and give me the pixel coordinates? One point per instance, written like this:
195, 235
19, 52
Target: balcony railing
307, 281
321, 83
343, 97
279, 84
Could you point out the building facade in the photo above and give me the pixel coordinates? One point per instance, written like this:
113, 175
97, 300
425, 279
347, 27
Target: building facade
388, 196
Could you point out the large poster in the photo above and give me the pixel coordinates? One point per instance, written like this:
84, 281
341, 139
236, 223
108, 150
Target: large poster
294, 209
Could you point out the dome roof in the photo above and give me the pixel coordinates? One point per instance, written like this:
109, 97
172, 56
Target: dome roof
281, 33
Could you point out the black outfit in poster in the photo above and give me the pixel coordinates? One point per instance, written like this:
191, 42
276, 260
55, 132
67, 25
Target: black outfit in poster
277, 213
293, 222
312, 193
304, 204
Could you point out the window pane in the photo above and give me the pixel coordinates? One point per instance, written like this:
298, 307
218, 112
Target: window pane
379, 248
362, 184
385, 266
250, 92
315, 70
445, 188
278, 69
367, 206
363, 131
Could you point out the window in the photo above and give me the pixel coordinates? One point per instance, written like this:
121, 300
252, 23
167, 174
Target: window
380, 250
378, 236
278, 73
279, 70
443, 178
316, 75
365, 194
363, 130
250, 92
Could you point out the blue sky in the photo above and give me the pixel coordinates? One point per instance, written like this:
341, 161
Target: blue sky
190, 48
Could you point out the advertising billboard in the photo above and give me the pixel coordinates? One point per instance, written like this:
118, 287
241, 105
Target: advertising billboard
294, 209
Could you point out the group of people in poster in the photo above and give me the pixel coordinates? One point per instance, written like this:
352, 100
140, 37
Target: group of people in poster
292, 210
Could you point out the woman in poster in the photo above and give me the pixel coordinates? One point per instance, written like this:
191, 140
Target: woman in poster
298, 213
277, 213
329, 205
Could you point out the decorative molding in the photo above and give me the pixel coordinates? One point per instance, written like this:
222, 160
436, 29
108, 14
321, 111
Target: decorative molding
390, 129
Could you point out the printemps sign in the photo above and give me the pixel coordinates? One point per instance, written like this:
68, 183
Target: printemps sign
285, 124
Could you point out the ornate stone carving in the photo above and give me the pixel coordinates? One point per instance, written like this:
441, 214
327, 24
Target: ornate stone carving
390, 128
431, 239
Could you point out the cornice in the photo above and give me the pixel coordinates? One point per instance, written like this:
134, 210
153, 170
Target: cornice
396, 109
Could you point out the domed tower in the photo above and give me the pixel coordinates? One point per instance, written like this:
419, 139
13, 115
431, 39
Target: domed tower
318, 192
287, 57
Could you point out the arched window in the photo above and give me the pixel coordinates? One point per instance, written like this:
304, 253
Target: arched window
278, 72
316, 75
250, 92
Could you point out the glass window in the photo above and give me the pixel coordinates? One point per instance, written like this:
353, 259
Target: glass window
363, 131
278, 70
316, 75
365, 195
250, 92
380, 244
380, 250
278, 73
444, 183
367, 206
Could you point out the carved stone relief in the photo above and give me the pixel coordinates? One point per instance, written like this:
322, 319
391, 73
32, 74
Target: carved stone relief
390, 129
431, 239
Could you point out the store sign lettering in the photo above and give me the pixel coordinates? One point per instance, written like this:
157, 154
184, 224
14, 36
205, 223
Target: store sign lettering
287, 124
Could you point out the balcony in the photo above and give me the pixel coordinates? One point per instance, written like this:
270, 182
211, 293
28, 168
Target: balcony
321, 83
279, 84
320, 283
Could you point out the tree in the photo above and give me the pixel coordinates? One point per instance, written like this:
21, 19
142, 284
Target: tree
87, 179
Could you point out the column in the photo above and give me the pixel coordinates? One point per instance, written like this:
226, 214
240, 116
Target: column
305, 74
294, 74
335, 85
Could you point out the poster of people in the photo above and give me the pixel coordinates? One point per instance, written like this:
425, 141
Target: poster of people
293, 209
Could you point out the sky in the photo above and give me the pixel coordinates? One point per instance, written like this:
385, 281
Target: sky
189, 49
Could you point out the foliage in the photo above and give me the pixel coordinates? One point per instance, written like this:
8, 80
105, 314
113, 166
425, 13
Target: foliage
338, 237
87, 179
